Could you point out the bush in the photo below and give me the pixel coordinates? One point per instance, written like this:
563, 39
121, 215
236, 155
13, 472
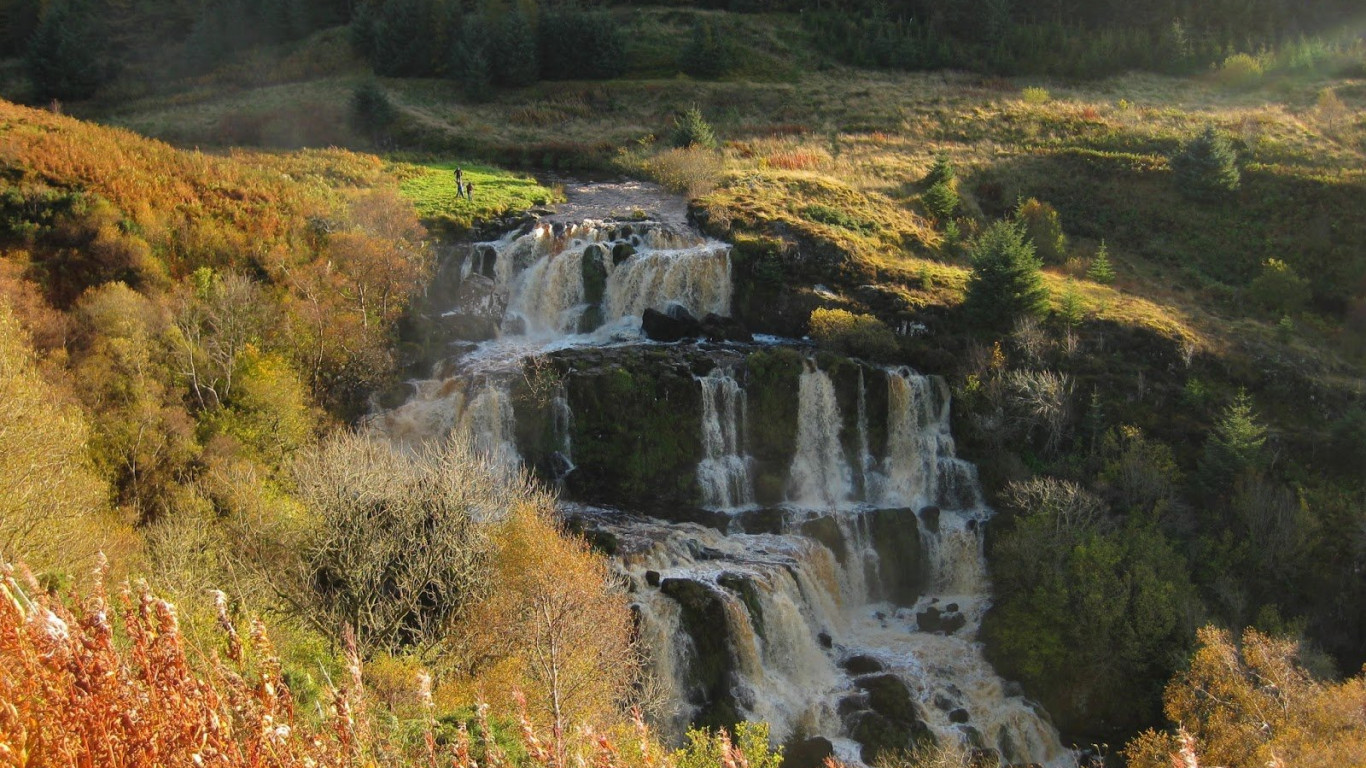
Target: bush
691, 129
1240, 71
854, 335
690, 171
708, 54
372, 114
1042, 226
1207, 166
940, 200
1034, 95
1005, 283
1278, 290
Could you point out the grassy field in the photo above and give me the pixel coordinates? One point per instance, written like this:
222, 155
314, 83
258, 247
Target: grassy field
496, 193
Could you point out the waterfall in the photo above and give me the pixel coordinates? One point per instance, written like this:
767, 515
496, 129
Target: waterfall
820, 477
560, 281
562, 421
914, 425
724, 472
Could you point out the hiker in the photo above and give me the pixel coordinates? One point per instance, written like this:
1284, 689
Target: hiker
469, 191
459, 189
459, 174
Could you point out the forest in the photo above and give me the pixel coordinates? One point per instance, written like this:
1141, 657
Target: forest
1126, 237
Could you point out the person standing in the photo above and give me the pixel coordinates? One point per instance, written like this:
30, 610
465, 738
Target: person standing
469, 191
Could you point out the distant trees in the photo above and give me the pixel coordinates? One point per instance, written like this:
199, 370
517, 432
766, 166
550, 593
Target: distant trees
578, 44
66, 54
1006, 282
372, 113
1206, 168
708, 53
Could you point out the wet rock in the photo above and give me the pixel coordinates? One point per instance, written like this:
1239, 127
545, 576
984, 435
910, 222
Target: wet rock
807, 753
652, 578
825, 640
744, 587
890, 722
930, 516
760, 521
621, 252
717, 328
710, 675
902, 564
862, 664
940, 622
593, 268
675, 325
959, 715
827, 532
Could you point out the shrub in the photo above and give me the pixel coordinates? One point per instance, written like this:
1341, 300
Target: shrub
1035, 95
708, 53
1278, 290
1005, 283
1101, 270
690, 171
855, 335
1240, 71
1044, 230
372, 114
1207, 166
940, 200
691, 129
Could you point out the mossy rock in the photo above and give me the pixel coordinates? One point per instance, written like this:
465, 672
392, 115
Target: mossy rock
890, 723
902, 564
710, 675
772, 386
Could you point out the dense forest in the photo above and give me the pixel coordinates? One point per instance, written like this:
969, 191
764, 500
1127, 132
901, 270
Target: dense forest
1127, 236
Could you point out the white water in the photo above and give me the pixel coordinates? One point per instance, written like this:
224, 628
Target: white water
532, 285
820, 477
724, 472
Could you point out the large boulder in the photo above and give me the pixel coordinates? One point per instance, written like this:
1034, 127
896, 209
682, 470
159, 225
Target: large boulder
711, 672
676, 324
884, 719
808, 753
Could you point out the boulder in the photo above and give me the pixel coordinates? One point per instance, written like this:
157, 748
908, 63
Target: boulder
938, 621
675, 325
717, 328
889, 722
807, 753
861, 664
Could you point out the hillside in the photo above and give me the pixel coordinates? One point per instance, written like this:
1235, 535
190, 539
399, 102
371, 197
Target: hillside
1167, 417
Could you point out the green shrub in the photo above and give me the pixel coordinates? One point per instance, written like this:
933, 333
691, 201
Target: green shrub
1005, 283
1240, 71
855, 335
1278, 290
691, 129
1034, 95
1207, 166
941, 200
1044, 229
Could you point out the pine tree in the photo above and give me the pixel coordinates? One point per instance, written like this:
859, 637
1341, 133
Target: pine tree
1234, 445
1101, 270
64, 57
941, 172
941, 200
691, 129
1006, 282
1207, 167
515, 60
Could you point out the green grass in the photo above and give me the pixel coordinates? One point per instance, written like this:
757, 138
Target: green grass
431, 187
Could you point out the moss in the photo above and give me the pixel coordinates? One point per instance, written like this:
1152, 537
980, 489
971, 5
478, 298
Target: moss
710, 670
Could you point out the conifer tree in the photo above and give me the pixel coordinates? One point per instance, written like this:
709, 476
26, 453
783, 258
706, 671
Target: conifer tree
64, 57
1101, 270
1006, 282
1207, 167
691, 129
514, 57
1235, 444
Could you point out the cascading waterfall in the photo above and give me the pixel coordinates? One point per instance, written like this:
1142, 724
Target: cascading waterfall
724, 473
820, 477
802, 615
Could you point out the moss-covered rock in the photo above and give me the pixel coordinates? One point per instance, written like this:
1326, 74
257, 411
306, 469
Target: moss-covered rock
711, 672
901, 560
772, 384
885, 719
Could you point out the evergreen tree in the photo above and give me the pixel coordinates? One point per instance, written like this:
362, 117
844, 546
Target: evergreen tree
1207, 167
941, 200
18, 20
1006, 282
691, 129
372, 113
402, 39
1235, 444
65, 58
1101, 270
941, 172
513, 55
578, 44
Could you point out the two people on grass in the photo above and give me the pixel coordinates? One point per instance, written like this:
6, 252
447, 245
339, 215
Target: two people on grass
463, 189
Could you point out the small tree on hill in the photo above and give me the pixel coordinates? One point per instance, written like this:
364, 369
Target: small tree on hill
1101, 270
941, 172
1006, 283
691, 129
371, 111
1041, 224
1235, 444
1278, 289
1207, 166
941, 200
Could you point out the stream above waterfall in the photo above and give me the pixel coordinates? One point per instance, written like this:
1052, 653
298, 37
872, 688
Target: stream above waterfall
801, 542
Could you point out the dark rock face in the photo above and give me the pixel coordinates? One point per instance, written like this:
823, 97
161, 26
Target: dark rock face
717, 328
675, 325
884, 719
710, 676
904, 571
808, 753
827, 532
930, 515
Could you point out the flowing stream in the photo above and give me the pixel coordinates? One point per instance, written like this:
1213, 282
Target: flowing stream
853, 609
